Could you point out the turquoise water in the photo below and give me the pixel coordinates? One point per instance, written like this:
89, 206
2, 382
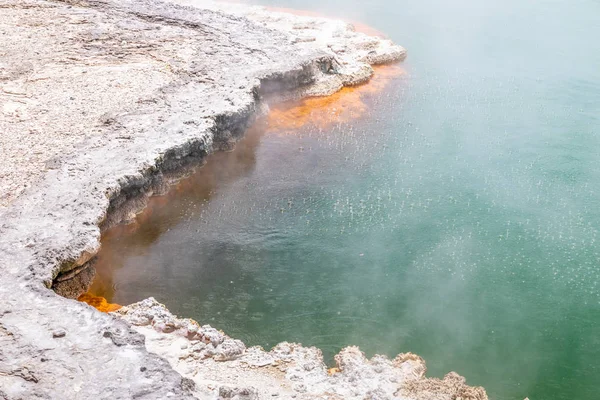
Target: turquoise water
458, 220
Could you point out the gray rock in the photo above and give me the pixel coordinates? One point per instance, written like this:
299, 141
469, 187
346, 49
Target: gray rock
59, 333
236, 393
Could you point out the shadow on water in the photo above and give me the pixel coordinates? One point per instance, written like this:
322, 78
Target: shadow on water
182, 201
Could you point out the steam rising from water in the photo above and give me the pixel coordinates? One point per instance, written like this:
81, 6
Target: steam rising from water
457, 218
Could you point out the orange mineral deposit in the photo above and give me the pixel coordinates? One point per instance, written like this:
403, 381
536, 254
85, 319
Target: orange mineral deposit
98, 302
341, 107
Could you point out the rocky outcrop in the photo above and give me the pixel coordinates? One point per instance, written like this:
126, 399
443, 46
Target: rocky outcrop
222, 367
105, 104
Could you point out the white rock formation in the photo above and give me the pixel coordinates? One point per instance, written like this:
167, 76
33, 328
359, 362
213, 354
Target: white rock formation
222, 367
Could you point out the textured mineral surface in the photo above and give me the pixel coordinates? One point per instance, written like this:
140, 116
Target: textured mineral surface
222, 367
103, 104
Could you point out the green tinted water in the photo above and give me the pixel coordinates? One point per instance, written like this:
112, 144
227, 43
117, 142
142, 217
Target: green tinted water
459, 220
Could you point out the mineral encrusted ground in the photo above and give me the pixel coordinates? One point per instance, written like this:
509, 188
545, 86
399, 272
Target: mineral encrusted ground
103, 104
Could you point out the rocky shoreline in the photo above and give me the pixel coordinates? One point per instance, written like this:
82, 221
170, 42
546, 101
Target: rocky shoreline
107, 103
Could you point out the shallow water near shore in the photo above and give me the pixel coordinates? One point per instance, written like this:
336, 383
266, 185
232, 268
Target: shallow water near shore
457, 218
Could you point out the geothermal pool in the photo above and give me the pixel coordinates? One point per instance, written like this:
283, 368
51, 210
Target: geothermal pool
451, 210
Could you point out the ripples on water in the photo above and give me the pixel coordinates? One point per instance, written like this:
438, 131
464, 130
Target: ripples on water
457, 218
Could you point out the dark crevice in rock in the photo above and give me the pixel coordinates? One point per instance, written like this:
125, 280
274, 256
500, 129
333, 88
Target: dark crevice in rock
75, 282
288, 80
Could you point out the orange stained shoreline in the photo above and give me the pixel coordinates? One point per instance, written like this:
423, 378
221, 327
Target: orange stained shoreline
98, 302
322, 112
344, 106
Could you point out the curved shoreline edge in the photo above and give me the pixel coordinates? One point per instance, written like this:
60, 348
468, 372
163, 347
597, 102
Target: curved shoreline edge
223, 62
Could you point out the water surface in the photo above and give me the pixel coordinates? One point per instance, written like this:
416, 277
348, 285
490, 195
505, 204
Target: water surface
457, 219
